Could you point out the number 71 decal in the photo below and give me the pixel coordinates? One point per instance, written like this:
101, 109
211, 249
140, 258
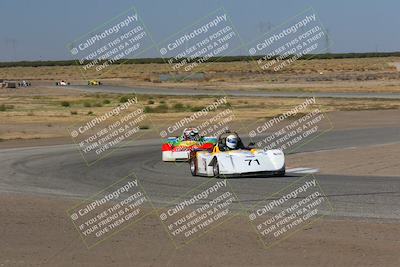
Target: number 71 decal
252, 160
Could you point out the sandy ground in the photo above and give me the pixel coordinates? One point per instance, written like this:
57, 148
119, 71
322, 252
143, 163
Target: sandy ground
49, 239
379, 160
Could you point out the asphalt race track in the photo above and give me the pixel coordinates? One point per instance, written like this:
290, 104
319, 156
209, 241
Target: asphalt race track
60, 171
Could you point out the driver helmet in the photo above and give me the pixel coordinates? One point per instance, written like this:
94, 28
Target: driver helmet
194, 134
185, 135
231, 141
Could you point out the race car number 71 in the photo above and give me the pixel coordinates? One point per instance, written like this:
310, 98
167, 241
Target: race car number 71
251, 160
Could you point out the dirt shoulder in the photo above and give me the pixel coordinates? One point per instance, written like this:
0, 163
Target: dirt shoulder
341, 120
379, 160
49, 239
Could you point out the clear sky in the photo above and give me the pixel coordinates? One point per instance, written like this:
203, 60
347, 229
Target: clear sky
41, 29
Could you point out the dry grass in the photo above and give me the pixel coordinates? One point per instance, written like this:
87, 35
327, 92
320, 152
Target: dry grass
141, 70
39, 114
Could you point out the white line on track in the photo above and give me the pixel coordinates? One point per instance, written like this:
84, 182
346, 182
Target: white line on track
302, 170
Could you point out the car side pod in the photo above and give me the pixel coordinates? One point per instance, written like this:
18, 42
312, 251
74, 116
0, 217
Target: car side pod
252, 162
277, 157
166, 147
166, 151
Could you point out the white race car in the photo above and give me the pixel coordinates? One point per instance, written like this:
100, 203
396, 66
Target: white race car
62, 83
242, 161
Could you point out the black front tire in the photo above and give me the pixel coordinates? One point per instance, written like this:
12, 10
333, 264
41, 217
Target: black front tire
193, 167
216, 169
281, 172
